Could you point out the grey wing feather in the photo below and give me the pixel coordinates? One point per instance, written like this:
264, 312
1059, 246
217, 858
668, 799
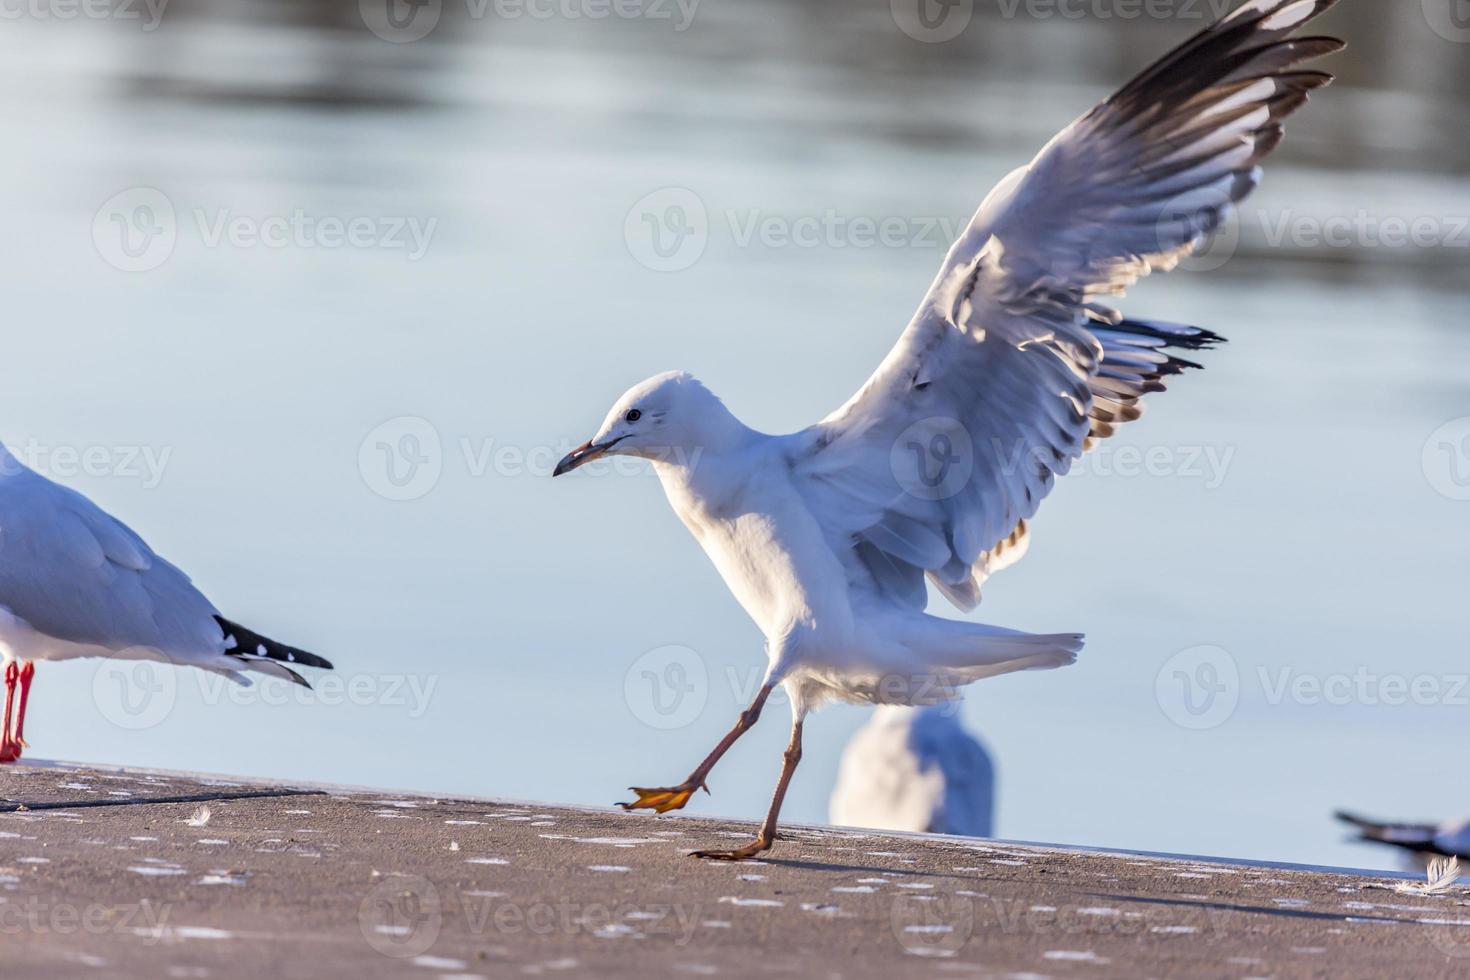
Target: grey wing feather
75, 573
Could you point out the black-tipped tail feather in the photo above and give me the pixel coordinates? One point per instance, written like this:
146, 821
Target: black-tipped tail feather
266, 655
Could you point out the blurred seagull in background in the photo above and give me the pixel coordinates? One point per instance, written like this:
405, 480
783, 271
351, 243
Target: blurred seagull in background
916, 769
76, 582
1422, 841
1012, 369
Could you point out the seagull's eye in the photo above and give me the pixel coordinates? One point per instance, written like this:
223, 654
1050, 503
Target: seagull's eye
633, 415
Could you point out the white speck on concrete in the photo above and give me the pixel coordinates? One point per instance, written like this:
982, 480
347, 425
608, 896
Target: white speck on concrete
437, 963
1075, 956
764, 903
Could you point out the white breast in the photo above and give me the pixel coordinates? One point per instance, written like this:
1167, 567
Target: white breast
20, 641
757, 530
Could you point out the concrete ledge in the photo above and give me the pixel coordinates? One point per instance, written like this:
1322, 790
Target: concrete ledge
103, 875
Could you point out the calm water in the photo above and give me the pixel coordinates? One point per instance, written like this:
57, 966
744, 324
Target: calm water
253, 400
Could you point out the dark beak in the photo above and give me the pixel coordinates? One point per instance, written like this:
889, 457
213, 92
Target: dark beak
585, 453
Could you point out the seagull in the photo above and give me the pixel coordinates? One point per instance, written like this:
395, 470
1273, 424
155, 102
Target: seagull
1422, 840
77, 582
1012, 368
915, 769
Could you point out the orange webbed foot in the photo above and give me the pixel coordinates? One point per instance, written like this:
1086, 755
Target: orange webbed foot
662, 800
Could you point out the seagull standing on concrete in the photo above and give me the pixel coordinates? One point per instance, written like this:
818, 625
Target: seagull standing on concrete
1011, 369
76, 582
915, 769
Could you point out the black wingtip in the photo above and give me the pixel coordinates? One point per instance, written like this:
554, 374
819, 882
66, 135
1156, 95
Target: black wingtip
1173, 335
247, 641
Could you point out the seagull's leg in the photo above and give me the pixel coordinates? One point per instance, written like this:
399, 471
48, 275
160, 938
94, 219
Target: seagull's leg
675, 797
767, 835
27, 672
9, 749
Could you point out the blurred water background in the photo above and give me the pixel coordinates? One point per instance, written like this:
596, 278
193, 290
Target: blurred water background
1294, 516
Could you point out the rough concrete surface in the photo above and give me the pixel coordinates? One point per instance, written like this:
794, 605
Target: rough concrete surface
103, 874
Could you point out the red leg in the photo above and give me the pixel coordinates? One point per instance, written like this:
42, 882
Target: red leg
27, 672
9, 751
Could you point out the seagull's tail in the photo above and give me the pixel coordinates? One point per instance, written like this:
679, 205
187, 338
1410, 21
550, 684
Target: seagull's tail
265, 656
1414, 836
968, 652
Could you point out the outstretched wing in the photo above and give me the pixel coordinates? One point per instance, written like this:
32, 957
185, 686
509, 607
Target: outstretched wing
1012, 367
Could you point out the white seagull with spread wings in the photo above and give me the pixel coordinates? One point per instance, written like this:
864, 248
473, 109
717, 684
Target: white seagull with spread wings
1011, 369
77, 582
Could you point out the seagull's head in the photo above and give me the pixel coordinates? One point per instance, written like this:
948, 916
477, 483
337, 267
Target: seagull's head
668, 416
